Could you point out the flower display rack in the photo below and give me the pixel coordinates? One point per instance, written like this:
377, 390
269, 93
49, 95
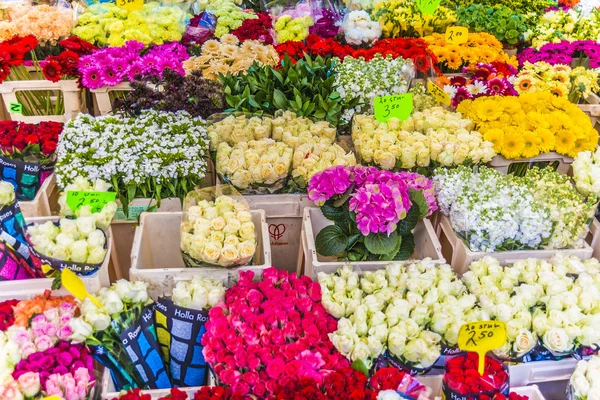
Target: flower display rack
102, 97
592, 109
156, 256
501, 164
459, 256
42, 204
310, 263
70, 91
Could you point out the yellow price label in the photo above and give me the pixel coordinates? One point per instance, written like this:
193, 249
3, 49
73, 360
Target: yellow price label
454, 34
481, 337
130, 5
55, 397
438, 93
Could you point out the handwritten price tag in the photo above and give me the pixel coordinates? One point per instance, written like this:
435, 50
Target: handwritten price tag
457, 34
130, 5
16, 108
428, 7
97, 200
397, 106
438, 93
481, 337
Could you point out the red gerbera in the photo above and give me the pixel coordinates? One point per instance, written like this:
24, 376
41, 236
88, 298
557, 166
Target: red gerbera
52, 70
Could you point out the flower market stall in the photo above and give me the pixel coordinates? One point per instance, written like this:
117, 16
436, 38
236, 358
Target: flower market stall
300, 200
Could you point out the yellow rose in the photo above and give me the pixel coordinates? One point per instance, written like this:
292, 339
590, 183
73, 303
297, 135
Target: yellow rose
246, 231
233, 225
244, 216
212, 252
216, 236
217, 224
229, 254
247, 248
231, 239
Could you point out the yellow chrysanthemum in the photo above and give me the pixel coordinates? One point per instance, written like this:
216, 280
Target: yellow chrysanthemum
531, 141
546, 140
513, 145
565, 142
489, 110
496, 136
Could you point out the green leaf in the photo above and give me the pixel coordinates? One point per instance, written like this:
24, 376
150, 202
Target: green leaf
416, 196
360, 365
334, 213
57, 282
353, 238
407, 248
390, 256
409, 222
381, 243
279, 99
331, 241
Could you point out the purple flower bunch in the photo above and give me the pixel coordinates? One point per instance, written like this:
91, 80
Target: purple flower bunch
327, 23
563, 53
379, 198
64, 358
113, 65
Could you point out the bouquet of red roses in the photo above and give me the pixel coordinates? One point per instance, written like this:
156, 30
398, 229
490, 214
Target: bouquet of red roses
7, 318
29, 142
462, 378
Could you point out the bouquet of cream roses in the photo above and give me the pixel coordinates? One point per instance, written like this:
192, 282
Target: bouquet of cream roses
104, 217
586, 173
234, 129
219, 232
294, 131
311, 158
585, 381
199, 293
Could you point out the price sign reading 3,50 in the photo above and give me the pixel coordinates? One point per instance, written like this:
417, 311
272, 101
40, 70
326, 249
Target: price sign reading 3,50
397, 106
130, 5
481, 337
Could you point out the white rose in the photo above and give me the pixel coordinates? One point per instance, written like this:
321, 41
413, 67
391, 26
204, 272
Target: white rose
140, 292
217, 224
96, 255
62, 239
96, 239
343, 343
113, 303
79, 251
86, 225
360, 351
388, 395
246, 249
123, 289
100, 321
181, 295
375, 346
81, 330
557, 340
580, 385
247, 230
215, 296
415, 350
524, 342
199, 299
211, 252
7, 193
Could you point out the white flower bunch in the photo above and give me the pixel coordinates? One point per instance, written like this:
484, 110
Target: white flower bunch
586, 173
257, 163
154, 151
311, 158
10, 355
407, 309
294, 131
75, 240
122, 295
585, 381
491, 210
237, 129
360, 81
7, 193
104, 217
538, 301
199, 293
434, 136
359, 29
219, 232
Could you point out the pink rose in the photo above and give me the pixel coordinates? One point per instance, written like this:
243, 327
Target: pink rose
51, 314
251, 378
43, 343
277, 336
52, 386
66, 318
229, 376
275, 368
259, 389
50, 329
21, 336
253, 362
27, 349
10, 391
82, 375
82, 390
30, 384
254, 297
64, 332
240, 388
314, 291
217, 327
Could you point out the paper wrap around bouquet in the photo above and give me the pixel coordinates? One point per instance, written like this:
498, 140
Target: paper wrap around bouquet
27, 178
389, 359
538, 353
13, 266
462, 389
12, 230
211, 194
179, 331
47, 264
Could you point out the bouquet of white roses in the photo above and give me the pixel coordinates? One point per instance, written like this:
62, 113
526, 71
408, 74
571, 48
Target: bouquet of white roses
154, 154
410, 310
235, 129
199, 293
311, 158
219, 232
359, 81
75, 240
295, 131
359, 29
257, 166
585, 381
435, 137
586, 173
104, 217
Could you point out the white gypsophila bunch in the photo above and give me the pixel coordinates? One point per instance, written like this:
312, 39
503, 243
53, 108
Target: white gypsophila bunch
490, 210
584, 383
261, 163
311, 158
434, 136
75, 240
151, 152
198, 293
294, 131
120, 296
104, 217
237, 129
359, 29
220, 232
407, 309
7, 193
586, 173
359, 80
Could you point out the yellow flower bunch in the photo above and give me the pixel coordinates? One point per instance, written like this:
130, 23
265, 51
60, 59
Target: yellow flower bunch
560, 80
480, 48
401, 18
531, 124
106, 24
230, 15
48, 24
230, 55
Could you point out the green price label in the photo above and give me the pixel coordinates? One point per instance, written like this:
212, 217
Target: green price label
97, 200
134, 213
16, 108
397, 106
428, 7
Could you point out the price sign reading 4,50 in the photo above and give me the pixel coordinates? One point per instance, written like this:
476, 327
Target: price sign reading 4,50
397, 106
457, 34
481, 337
130, 5
428, 7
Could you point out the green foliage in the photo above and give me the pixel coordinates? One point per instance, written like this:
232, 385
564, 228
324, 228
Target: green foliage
506, 25
307, 88
519, 6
